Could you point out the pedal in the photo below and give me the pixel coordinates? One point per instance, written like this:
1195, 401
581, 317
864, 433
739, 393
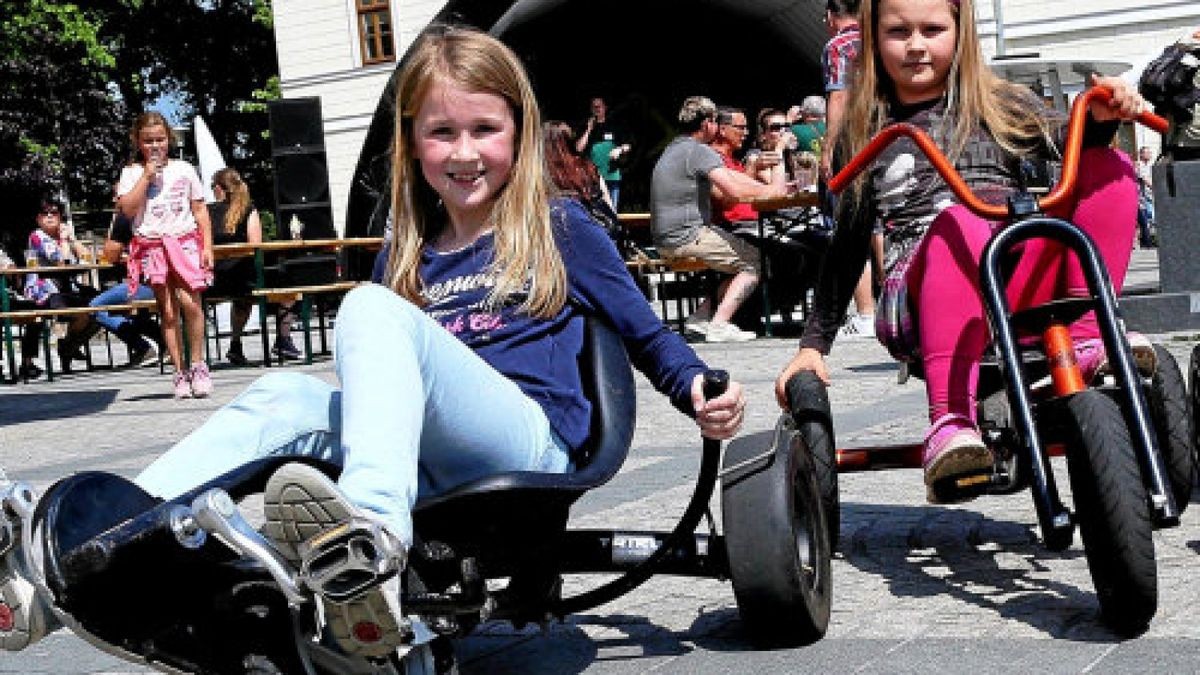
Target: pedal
350, 558
215, 512
960, 488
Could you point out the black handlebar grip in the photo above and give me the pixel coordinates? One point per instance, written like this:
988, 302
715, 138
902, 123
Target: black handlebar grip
715, 383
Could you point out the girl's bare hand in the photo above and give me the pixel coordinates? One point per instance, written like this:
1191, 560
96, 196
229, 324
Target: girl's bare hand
1126, 103
722, 417
805, 359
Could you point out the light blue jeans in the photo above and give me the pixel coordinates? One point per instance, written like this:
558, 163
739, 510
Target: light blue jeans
118, 295
418, 413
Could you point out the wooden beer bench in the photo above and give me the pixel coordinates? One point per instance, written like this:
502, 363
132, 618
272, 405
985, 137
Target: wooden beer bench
46, 315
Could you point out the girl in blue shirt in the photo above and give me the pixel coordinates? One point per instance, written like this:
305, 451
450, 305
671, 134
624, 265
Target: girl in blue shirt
463, 363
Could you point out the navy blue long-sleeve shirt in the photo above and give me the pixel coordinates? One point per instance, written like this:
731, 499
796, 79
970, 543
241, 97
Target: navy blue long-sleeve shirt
541, 355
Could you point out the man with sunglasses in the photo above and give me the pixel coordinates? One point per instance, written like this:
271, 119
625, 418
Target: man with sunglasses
681, 218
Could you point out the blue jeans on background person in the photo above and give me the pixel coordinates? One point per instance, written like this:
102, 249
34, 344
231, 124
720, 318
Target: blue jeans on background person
1145, 218
418, 413
118, 295
614, 193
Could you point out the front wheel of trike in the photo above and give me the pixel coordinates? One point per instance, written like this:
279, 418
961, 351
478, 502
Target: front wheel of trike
1113, 510
776, 537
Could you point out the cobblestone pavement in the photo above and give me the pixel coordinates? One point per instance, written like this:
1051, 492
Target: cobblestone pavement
917, 588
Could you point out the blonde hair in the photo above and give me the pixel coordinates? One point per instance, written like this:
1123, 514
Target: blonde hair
236, 194
525, 251
975, 96
150, 118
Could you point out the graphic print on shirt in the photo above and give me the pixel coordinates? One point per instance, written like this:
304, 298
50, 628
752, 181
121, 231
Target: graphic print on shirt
460, 305
171, 207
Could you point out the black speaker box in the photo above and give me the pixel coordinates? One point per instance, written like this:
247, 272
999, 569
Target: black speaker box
301, 179
1176, 215
301, 171
296, 124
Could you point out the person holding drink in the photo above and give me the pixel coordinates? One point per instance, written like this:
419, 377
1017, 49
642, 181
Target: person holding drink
50, 246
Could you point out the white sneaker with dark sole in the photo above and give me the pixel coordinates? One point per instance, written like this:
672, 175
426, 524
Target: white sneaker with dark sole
308, 519
24, 616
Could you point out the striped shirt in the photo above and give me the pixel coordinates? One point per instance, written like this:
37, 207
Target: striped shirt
838, 58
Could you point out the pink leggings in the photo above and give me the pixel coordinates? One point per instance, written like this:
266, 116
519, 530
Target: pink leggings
943, 280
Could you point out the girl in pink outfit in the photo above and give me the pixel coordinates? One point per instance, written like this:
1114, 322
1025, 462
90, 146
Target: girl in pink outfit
921, 63
172, 243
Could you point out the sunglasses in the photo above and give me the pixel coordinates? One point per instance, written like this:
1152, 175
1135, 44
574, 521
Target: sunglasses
777, 127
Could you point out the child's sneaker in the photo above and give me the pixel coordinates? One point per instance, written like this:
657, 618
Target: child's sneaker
352, 564
202, 384
182, 384
24, 616
1093, 359
953, 448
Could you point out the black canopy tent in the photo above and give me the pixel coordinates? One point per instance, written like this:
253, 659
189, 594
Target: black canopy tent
643, 56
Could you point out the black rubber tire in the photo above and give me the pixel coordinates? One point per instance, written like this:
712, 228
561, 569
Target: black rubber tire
1113, 511
1168, 399
808, 402
1194, 396
775, 538
819, 441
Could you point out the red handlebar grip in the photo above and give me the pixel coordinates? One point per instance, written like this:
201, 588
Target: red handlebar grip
1146, 118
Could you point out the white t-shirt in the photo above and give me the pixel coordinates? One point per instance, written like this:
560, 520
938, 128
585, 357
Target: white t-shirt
168, 209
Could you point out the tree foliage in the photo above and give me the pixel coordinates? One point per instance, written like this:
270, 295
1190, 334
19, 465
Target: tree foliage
72, 75
58, 116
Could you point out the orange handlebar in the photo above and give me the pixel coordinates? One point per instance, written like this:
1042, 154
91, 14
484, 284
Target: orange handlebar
1061, 192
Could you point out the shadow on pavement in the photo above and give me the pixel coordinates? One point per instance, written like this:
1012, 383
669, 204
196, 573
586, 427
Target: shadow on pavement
54, 405
999, 565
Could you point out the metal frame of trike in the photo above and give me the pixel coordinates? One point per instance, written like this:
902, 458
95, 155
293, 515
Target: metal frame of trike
1028, 222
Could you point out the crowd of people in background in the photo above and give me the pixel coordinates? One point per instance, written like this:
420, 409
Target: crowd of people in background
159, 246
701, 194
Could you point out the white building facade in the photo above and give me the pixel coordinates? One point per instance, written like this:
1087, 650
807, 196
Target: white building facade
343, 51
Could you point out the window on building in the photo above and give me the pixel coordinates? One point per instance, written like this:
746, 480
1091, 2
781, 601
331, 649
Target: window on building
375, 36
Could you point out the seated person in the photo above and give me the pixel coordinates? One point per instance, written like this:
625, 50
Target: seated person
140, 332
53, 246
31, 335
681, 220
577, 178
236, 221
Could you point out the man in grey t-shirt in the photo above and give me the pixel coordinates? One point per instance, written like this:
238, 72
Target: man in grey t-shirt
685, 179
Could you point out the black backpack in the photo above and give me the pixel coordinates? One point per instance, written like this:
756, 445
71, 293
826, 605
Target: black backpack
1172, 83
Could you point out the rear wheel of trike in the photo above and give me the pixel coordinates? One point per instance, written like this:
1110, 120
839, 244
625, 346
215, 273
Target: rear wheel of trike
1113, 510
776, 537
1168, 399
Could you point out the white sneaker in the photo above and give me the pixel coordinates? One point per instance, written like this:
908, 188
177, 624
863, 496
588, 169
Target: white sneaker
24, 616
858, 326
696, 326
306, 516
727, 332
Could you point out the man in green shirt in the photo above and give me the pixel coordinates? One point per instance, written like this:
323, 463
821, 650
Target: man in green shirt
809, 126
